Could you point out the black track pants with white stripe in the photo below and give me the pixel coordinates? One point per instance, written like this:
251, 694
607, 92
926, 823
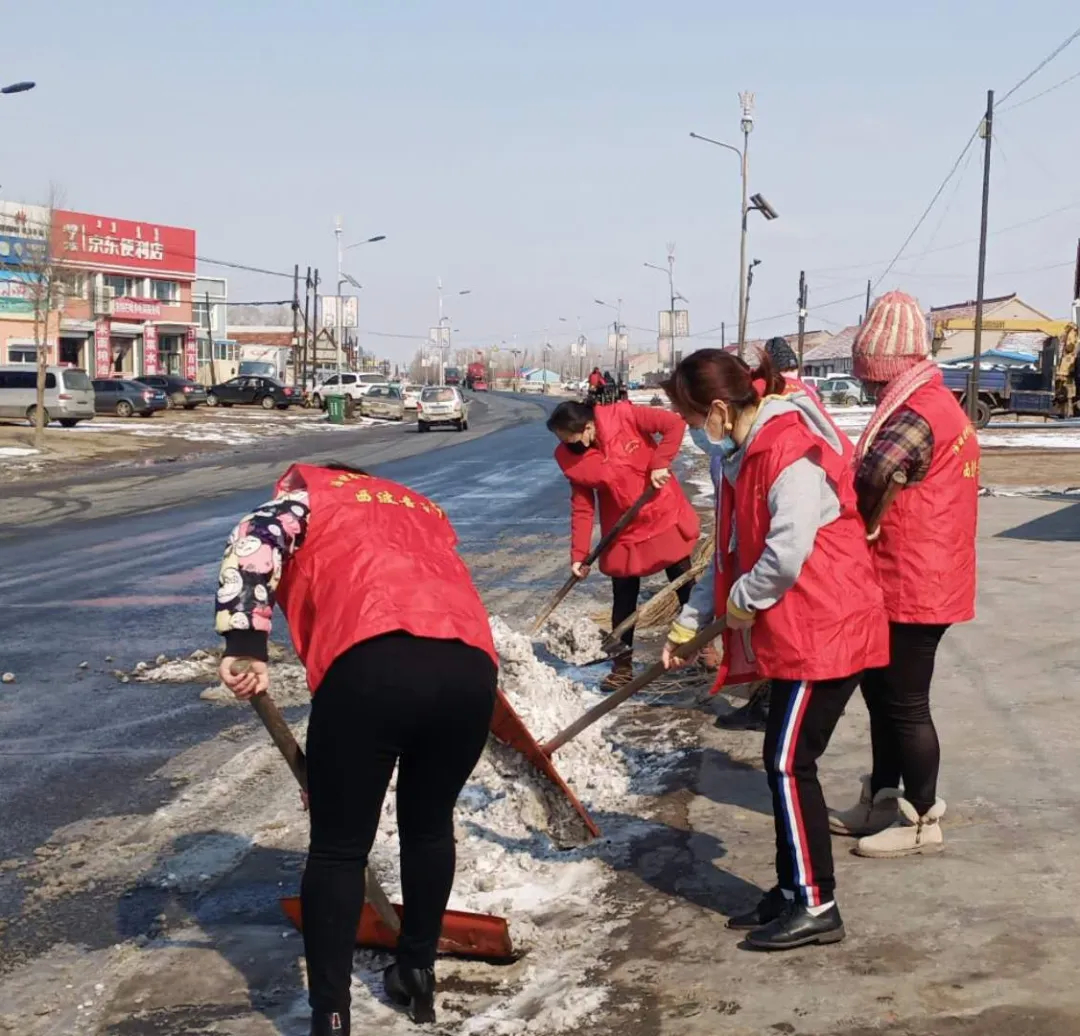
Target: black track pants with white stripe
802, 717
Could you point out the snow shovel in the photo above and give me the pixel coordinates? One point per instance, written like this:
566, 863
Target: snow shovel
605, 542
616, 698
463, 934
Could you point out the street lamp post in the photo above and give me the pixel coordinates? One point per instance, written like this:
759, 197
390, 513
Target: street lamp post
342, 278
748, 204
444, 349
618, 331
673, 296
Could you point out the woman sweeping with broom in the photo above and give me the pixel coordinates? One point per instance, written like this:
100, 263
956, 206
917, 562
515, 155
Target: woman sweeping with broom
794, 577
611, 454
402, 667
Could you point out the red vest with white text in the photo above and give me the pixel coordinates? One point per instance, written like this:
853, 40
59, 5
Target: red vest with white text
832, 622
377, 558
925, 555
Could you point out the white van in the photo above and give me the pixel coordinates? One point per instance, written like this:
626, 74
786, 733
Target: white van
69, 395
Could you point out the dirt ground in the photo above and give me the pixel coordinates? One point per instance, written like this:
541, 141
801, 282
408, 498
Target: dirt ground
1059, 469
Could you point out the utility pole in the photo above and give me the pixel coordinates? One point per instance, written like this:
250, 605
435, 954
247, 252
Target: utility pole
307, 326
295, 321
802, 317
210, 337
723, 335
315, 320
337, 303
866, 311
1076, 275
746, 99
987, 131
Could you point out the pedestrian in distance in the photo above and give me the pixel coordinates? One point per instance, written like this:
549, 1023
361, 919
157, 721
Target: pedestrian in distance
610, 455
402, 668
793, 576
924, 554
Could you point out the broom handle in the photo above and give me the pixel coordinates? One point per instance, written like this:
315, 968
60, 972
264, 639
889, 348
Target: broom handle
605, 541
896, 483
674, 586
286, 744
705, 636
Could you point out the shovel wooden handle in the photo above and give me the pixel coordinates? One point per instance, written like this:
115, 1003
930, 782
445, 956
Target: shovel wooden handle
896, 483
282, 736
612, 640
605, 542
616, 698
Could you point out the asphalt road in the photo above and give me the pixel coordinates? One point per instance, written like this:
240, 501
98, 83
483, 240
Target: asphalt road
121, 565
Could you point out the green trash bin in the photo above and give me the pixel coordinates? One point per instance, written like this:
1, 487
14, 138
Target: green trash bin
335, 409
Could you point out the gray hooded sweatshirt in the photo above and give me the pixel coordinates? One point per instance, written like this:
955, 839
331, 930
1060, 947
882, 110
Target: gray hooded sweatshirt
800, 502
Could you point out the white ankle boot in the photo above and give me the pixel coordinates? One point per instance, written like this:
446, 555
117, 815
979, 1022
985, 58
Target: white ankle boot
911, 835
871, 814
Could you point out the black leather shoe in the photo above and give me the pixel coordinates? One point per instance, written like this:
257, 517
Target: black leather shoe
798, 927
769, 908
414, 989
752, 716
333, 1023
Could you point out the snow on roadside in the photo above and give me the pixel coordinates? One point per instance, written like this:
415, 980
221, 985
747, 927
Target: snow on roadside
17, 451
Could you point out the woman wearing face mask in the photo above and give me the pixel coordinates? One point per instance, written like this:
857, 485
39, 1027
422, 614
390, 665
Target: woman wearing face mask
794, 576
611, 453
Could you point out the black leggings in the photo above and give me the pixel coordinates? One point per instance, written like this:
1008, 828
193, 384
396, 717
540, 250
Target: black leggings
902, 732
625, 591
425, 705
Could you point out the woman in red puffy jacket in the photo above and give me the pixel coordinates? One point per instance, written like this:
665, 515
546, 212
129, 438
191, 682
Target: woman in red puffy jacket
611, 455
400, 661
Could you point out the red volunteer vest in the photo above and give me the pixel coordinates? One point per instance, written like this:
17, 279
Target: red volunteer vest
925, 556
377, 558
619, 473
832, 622
795, 384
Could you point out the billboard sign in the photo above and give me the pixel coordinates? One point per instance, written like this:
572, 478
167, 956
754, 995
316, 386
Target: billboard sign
147, 309
350, 310
101, 242
674, 323
16, 293
329, 311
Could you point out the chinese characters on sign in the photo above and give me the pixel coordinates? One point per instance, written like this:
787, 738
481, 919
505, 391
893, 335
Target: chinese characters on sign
150, 349
131, 307
76, 240
102, 352
81, 238
191, 354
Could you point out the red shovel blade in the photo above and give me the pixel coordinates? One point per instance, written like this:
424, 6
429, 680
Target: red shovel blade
507, 727
463, 934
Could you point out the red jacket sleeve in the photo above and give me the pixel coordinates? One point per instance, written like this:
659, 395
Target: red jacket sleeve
582, 513
650, 421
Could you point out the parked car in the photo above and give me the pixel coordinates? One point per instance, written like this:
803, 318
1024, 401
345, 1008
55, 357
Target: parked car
442, 405
69, 395
268, 393
180, 391
383, 402
844, 391
410, 395
124, 398
348, 383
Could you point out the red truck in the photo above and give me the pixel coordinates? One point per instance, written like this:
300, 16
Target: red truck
476, 377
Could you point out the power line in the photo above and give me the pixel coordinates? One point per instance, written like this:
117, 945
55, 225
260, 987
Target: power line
1040, 66
1043, 93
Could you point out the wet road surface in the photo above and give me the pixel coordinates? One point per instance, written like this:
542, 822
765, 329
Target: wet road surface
112, 589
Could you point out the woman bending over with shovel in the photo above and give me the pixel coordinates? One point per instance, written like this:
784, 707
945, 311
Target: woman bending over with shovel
794, 576
611, 454
400, 660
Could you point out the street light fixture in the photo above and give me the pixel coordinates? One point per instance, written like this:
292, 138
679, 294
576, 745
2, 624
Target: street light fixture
444, 348
17, 88
618, 330
344, 278
746, 124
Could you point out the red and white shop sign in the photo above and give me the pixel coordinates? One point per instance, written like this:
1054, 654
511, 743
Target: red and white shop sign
151, 363
87, 240
102, 349
148, 309
191, 354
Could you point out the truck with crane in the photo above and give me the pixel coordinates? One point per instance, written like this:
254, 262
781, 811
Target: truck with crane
1027, 389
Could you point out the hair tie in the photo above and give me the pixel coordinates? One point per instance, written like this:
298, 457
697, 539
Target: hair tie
759, 386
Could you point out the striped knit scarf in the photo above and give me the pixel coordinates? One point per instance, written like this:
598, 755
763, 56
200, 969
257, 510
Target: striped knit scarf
897, 393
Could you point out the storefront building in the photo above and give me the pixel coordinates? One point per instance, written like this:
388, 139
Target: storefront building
25, 314
127, 309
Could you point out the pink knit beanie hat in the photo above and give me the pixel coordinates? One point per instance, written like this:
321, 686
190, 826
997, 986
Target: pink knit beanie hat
891, 340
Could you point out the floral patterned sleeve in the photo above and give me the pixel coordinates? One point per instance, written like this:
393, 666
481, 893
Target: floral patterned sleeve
251, 571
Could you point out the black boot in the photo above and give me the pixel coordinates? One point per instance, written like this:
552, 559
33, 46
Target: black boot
752, 716
769, 908
798, 927
412, 988
330, 1023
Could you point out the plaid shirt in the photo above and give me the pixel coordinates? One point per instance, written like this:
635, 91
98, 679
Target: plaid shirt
904, 443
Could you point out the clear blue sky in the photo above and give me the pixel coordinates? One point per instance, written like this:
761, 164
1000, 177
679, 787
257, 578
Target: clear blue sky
538, 154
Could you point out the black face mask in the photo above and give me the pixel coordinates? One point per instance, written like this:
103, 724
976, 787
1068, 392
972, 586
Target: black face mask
576, 447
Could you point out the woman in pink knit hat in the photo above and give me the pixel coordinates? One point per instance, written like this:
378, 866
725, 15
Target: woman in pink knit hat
924, 554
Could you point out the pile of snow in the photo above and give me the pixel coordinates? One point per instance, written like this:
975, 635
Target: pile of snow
573, 638
17, 451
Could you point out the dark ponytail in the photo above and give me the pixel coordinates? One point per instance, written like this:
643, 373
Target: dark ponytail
710, 374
